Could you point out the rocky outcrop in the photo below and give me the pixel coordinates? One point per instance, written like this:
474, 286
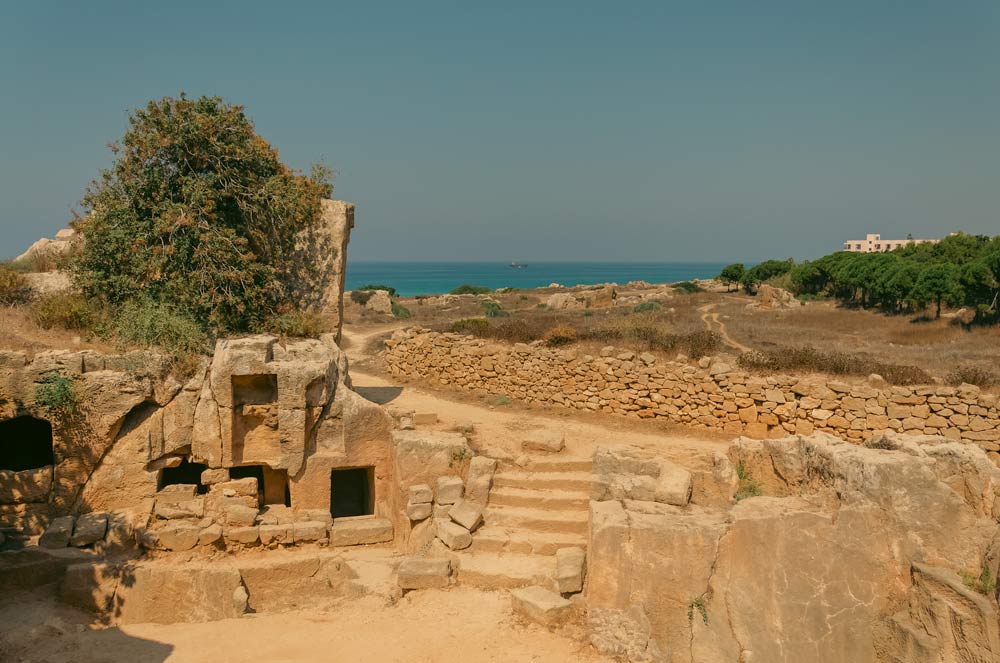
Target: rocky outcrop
713, 394
47, 250
335, 228
839, 553
769, 298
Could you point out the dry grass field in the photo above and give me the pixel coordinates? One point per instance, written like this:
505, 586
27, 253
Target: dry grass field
905, 348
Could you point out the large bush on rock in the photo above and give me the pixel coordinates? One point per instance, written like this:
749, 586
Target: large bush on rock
199, 214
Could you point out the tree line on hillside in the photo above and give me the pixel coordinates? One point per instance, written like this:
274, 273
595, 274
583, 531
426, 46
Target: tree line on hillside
960, 270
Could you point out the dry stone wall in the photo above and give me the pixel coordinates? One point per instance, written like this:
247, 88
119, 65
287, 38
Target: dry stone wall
712, 394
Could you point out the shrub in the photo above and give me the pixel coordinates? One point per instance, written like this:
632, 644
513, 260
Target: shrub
400, 311
157, 325
560, 335
697, 603
474, 326
361, 296
57, 393
501, 400
977, 375
466, 289
66, 310
299, 324
647, 307
387, 288
688, 287
197, 212
494, 310
13, 287
837, 363
985, 583
748, 486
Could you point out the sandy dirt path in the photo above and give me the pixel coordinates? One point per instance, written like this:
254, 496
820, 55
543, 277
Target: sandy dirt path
499, 427
461, 625
713, 323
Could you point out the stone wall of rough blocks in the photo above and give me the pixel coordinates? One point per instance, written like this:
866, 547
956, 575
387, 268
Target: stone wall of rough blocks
711, 394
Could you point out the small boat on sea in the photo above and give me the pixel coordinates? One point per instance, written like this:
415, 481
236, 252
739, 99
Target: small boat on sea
517, 265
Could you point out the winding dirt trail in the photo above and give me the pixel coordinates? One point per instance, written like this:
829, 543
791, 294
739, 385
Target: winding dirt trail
713, 323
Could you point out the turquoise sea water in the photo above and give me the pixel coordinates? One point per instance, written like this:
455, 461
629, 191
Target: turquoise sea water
426, 278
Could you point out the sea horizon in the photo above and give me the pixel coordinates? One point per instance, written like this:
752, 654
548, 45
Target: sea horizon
413, 277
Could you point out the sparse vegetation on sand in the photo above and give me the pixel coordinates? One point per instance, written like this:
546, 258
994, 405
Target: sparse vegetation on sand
786, 359
466, 289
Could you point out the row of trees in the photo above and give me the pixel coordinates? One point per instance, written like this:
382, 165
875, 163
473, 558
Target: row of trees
960, 270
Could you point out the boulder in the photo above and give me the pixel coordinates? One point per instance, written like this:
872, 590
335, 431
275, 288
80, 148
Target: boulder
545, 441
419, 511
179, 535
421, 494
379, 302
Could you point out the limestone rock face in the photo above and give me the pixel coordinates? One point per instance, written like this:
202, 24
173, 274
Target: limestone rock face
380, 302
202, 593
769, 297
336, 226
50, 249
632, 473
849, 554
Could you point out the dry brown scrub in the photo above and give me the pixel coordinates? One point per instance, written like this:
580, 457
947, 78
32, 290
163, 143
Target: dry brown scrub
20, 332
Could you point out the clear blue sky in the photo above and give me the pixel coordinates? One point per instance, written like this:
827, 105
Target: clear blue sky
530, 131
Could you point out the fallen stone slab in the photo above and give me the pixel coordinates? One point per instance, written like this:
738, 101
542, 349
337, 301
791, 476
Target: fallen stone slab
570, 570
246, 487
454, 536
323, 515
360, 531
541, 605
58, 533
89, 529
449, 490
545, 441
178, 492
214, 476
424, 573
467, 514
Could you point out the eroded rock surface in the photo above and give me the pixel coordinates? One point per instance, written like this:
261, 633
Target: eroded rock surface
837, 553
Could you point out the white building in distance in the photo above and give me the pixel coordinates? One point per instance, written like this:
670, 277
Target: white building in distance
875, 244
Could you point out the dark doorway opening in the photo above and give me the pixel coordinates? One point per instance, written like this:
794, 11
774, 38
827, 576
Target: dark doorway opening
25, 444
272, 485
185, 473
351, 492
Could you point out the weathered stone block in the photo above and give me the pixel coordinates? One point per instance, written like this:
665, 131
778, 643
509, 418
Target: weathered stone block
90, 528
58, 533
570, 570
277, 533
179, 535
90, 586
419, 511
467, 514
168, 509
244, 535
360, 531
239, 515
306, 531
210, 534
424, 573
449, 490
541, 605
421, 494
546, 441
454, 536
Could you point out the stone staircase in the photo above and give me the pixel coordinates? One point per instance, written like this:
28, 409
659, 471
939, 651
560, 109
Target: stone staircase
533, 512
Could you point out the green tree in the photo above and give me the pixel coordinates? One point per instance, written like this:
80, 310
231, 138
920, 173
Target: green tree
197, 212
937, 283
731, 274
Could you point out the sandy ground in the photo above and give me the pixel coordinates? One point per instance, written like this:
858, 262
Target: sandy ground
459, 625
